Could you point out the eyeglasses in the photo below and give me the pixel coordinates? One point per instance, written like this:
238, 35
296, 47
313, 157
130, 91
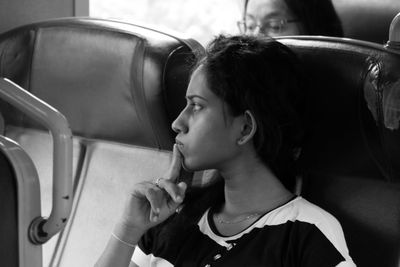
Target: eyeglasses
250, 25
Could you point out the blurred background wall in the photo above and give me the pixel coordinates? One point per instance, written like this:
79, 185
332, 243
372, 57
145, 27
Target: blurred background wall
15, 13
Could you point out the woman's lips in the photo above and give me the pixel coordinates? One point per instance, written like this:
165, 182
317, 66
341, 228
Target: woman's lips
179, 145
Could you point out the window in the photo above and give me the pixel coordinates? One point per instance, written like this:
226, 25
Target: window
198, 19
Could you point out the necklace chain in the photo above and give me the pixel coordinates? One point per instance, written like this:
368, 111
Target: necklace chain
248, 217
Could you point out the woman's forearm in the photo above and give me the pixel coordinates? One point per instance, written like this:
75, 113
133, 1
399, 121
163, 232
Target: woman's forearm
120, 247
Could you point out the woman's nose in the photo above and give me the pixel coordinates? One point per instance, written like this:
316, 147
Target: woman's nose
178, 125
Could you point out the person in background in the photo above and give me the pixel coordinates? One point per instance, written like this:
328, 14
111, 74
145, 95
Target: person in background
290, 17
243, 118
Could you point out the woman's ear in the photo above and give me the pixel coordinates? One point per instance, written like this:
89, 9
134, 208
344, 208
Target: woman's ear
249, 128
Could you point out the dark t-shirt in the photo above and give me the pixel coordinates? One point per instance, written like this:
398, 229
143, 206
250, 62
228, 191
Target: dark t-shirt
297, 233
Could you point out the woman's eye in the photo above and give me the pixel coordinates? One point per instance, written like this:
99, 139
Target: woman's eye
274, 26
195, 107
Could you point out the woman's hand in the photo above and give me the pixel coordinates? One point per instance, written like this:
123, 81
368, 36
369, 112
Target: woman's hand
151, 203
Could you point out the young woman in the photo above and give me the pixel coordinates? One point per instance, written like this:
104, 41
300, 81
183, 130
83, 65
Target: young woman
242, 119
290, 17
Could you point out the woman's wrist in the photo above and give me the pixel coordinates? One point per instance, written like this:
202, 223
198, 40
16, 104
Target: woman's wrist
132, 245
127, 234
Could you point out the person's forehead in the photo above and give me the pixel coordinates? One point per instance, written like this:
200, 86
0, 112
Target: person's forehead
198, 85
266, 8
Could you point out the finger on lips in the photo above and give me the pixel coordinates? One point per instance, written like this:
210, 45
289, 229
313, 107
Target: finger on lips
176, 164
162, 189
169, 184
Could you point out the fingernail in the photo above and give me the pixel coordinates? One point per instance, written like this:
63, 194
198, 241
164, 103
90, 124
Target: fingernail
178, 199
182, 185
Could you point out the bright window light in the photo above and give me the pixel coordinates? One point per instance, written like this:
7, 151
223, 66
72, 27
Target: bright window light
198, 19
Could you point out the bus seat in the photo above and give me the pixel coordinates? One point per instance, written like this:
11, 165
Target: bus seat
109, 171
112, 80
351, 153
9, 211
19, 206
38, 145
367, 20
369, 211
2, 125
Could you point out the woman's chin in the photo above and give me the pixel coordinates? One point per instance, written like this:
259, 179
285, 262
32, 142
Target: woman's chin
186, 168
191, 166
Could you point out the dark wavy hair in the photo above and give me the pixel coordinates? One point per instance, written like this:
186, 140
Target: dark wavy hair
263, 76
318, 16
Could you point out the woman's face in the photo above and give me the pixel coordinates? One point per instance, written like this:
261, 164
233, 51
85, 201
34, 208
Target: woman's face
207, 134
272, 18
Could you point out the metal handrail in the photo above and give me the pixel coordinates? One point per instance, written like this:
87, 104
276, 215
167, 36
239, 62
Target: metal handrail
42, 229
394, 33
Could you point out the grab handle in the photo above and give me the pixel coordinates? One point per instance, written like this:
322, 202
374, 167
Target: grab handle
394, 33
42, 229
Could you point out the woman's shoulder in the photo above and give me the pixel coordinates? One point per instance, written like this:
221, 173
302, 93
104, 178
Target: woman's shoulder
318, 222
307, 211
300, 210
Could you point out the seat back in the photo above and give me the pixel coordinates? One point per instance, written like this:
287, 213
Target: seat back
112, 80
351, 153
38, 145
108, 174
367, 20
19, 206
8, 208
369, 211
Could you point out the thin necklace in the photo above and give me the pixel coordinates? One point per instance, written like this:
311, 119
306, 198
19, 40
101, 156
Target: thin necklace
248, 217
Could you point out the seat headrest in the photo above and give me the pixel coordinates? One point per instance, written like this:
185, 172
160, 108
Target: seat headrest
353, 106
367, 20
112, 80
351, 153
